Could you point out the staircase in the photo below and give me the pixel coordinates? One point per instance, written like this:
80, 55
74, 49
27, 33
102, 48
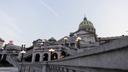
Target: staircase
12, 59
70, 51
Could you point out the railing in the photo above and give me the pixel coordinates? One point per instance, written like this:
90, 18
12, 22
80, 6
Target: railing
70, 51
63, 68
12, 60
28, 53
33, 67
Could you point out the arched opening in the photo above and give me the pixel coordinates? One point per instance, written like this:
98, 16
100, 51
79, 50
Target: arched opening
63, 54
54, 56
45, 57
37, 58
29, 58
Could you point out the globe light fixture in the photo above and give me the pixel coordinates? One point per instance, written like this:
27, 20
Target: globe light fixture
51, 50
78, 42
78, 38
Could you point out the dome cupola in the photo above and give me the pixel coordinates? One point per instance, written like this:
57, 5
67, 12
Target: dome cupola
86, 25
52, 39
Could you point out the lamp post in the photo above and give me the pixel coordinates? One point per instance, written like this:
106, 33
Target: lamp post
51, 50
22, 54
78, 42
65, 40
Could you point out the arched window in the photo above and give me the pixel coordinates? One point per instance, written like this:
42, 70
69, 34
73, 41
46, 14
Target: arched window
37, 58
54, 56
45, 57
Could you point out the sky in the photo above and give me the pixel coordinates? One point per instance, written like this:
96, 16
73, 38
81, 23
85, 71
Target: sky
24, 21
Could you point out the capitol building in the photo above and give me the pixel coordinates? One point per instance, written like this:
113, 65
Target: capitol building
81, 51
51, 49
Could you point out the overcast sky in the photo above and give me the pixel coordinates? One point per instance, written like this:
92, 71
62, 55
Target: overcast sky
26, 20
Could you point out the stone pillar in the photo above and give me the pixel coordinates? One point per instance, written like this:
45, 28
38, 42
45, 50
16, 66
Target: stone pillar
75, 44
41, 57
66, 70
59, 55
44, 67
49, 56
62, 69
33, 57
70, 71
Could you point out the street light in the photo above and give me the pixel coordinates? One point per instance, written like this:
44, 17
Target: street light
78, 38
65, 40
22, 55
51, 50
23, 52
78, 41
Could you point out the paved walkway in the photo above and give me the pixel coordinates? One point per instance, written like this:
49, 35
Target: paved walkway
8, 69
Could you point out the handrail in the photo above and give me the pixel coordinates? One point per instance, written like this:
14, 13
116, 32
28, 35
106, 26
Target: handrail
28, 53
12, 60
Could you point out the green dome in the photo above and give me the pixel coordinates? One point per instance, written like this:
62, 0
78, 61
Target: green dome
52, 39
86, 25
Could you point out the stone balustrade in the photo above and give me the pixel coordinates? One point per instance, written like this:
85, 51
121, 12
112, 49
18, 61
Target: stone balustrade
63, 68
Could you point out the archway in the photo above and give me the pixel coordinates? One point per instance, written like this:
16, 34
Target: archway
63, 54
29, 58
54, 56
37, 58
45, 57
